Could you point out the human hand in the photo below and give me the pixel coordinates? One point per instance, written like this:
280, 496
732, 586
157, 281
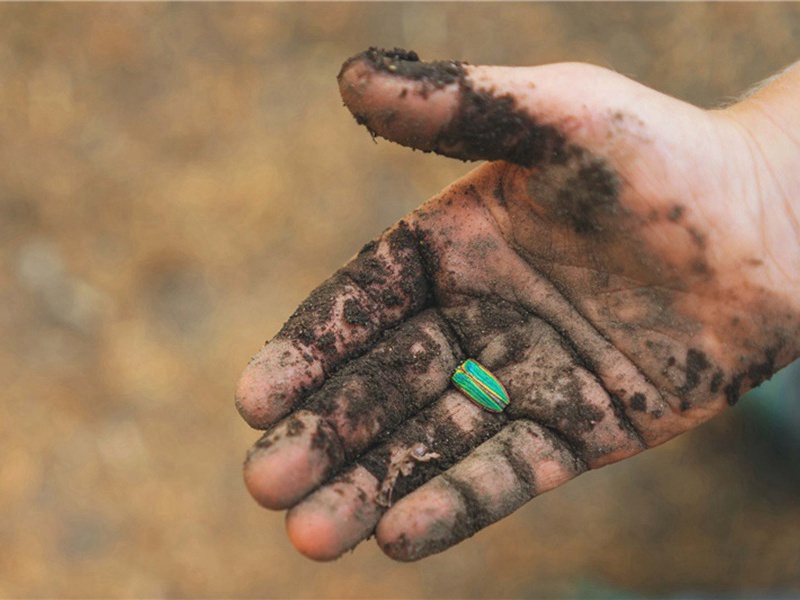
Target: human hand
627, 268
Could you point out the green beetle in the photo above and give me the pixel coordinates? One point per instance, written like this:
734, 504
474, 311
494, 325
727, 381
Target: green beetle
480, 386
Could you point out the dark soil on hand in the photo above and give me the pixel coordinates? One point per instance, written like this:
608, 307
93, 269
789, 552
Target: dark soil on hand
486, 126
407, 64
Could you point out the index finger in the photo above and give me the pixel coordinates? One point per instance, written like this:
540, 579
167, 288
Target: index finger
380, 287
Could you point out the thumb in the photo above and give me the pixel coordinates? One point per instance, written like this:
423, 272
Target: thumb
519, 114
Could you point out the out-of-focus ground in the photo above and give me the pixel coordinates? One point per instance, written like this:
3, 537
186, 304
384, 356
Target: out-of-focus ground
174, 178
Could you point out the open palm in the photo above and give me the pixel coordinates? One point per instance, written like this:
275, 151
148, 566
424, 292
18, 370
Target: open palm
604, 267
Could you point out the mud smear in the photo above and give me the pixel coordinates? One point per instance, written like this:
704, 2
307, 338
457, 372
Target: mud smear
405, 371
490, 127
478, 320
316, 309
638, 402
477, 511
755, 374
348, 314
653, 323
294, 427
696, 364
548, 390
521, 469
676, 212
407, 64
439, 434
589, 197
355, 314
398, 276
327, 441
486, 126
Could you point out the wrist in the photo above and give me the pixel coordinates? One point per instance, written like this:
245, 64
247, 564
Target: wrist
767, 125
771, 113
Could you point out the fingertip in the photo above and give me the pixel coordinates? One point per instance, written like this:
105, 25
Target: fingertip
268, 480
291, 460
314, 534
399, 97
417, 526
337, 517
249, 401
272, 382
277, 480
394, 541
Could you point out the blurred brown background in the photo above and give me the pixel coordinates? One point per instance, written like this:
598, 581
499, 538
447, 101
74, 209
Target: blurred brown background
174, 178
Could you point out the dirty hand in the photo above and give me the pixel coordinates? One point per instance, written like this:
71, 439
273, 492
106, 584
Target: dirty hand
627, 266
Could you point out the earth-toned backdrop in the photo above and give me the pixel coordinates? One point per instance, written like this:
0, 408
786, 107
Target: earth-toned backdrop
175, 178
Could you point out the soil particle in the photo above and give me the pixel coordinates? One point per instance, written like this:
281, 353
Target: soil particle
354, 313
429, 254
526, 479
624, 421
696, 364
390, 298
638, 402
264, 442
401, 548
325, 439
480, 249
368, 247
716, 381
675, 213
389, 271
499, 194
697, 236
315, 309
372, 271
589, 198
733, 390
516, 346
570, 419
761, 371
600, 280
755, 374
407, 64
581, 195
326, 343
577, 415
700, 266
549, 389
294, 427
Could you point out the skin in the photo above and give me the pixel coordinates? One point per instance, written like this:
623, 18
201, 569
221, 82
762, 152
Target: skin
627, 277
